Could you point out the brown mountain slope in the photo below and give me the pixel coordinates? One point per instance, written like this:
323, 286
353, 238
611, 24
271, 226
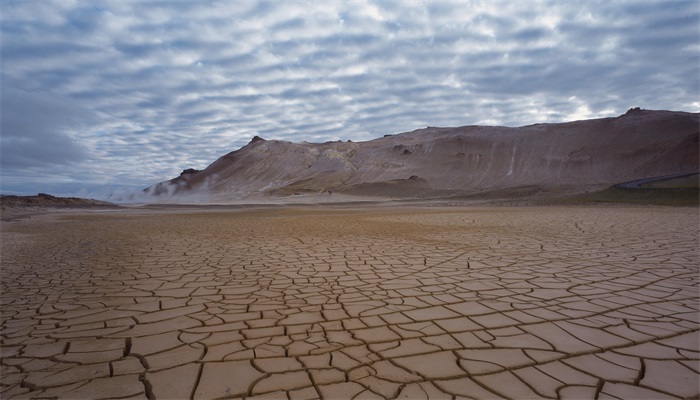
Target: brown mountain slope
438, 162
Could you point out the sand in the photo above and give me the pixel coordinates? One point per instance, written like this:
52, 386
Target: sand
375, 302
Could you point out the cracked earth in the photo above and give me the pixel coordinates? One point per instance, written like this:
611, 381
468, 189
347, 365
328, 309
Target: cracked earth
337, 304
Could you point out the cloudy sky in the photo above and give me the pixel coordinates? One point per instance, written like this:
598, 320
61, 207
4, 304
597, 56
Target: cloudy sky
103, 96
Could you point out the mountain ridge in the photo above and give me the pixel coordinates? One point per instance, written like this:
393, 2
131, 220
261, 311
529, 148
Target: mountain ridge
434, 162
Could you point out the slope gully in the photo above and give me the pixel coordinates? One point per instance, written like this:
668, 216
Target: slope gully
304, 303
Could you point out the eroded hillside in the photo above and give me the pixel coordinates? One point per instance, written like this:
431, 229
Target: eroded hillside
439, 162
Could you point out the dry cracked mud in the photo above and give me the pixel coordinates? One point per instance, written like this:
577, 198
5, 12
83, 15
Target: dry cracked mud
307, 303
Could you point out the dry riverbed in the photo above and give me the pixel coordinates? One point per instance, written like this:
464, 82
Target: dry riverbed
338, 303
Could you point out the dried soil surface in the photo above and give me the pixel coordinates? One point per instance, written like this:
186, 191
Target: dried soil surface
303, 303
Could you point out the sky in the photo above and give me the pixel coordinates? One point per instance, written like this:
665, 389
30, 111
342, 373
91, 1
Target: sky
101, 98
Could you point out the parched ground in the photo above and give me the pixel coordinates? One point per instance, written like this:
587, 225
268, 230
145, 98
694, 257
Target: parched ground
596, 302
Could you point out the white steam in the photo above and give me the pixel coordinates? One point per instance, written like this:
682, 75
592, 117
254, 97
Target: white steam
180, 192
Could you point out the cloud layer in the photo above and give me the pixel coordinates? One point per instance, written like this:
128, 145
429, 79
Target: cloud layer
104, 95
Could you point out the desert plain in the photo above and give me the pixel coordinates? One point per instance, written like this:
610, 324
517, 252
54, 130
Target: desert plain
302, 302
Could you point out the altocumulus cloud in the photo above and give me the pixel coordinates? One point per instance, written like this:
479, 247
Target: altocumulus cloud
102, 96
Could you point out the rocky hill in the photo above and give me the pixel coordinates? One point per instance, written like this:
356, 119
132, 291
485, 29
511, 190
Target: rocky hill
469, 161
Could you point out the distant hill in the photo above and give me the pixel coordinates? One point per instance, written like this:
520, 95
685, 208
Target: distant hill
47, 200
469, 161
